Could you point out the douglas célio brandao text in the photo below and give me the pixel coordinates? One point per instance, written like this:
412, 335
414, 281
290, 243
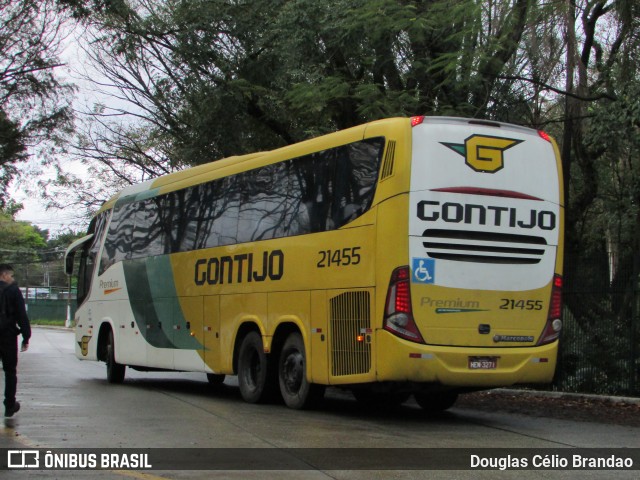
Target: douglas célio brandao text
567, 461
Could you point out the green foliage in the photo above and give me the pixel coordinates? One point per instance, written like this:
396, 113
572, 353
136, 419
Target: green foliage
35, 108
220, 78
38, 259
18, 236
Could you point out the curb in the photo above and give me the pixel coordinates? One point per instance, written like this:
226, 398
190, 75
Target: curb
570, 395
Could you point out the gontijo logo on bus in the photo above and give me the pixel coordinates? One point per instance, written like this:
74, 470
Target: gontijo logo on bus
241, 268
483, 153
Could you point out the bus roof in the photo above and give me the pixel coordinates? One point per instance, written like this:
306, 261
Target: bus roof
237, 164
240, 163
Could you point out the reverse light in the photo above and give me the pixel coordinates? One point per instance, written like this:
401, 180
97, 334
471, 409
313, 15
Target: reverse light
398, 318
554, 320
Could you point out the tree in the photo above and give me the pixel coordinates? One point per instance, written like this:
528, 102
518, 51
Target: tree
19, 243
212, 79
34, 103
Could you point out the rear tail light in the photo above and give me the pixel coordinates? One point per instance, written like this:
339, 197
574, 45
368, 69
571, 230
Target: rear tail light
544, 135
398, 313
554, 321
417, 120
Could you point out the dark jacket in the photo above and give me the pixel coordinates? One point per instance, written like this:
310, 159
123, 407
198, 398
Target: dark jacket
16, 311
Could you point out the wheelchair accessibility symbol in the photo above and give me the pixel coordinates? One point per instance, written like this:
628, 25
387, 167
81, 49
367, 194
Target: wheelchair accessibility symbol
423, 270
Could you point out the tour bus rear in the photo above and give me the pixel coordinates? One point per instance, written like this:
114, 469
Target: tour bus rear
479, 302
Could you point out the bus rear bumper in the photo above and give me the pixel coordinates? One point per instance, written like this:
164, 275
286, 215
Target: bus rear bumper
400, 360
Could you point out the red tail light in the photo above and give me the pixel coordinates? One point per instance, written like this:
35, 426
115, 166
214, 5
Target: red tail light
417, 120
554, 321
544, 135
398, 315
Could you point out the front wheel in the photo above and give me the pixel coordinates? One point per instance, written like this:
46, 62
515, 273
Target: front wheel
296, 390
115, 371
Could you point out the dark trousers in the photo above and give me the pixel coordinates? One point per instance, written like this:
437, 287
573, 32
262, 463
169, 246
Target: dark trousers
9, 356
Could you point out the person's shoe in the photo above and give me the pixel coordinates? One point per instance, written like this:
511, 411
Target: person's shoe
9, 411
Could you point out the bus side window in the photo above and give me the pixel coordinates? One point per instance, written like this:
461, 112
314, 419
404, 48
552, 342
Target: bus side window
89, 255
357, 167
226, 227
117, 244
147, 239
207, 214
264, 203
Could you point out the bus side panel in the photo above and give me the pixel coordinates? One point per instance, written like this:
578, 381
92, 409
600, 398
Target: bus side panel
211, 333
236, 310
189, 315
160, 333
318, 357
130, 347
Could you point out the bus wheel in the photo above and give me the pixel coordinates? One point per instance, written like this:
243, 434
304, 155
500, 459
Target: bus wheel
296, 390
255, 378
215, 378
434, 402
115, 371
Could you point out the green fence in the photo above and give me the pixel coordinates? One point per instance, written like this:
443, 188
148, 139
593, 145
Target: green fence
49, 303
47, 309
599, 348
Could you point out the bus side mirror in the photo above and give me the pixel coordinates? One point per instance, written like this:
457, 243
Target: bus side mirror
68, 263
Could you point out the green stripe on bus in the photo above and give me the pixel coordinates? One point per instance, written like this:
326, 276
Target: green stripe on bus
155, 304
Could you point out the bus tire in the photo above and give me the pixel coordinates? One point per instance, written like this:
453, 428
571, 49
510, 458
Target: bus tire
255, 377
115, 371
296, 390
434, 402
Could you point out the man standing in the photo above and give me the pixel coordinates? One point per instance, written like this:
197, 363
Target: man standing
13, 321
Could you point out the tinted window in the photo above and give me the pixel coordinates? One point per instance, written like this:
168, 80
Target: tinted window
89, 255
263, 203
117, 245
335, 186
315, 193
148, 236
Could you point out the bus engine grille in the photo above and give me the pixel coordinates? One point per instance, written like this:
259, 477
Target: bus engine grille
350, 316
484, 247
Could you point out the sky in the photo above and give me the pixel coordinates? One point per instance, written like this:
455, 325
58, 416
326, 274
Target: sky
34, 211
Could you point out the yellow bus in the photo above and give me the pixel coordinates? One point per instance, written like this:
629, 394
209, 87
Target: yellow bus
405, 256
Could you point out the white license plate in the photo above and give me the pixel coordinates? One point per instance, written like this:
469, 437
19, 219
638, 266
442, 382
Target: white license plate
483, 363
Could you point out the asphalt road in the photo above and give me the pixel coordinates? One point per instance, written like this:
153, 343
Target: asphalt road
67, 404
